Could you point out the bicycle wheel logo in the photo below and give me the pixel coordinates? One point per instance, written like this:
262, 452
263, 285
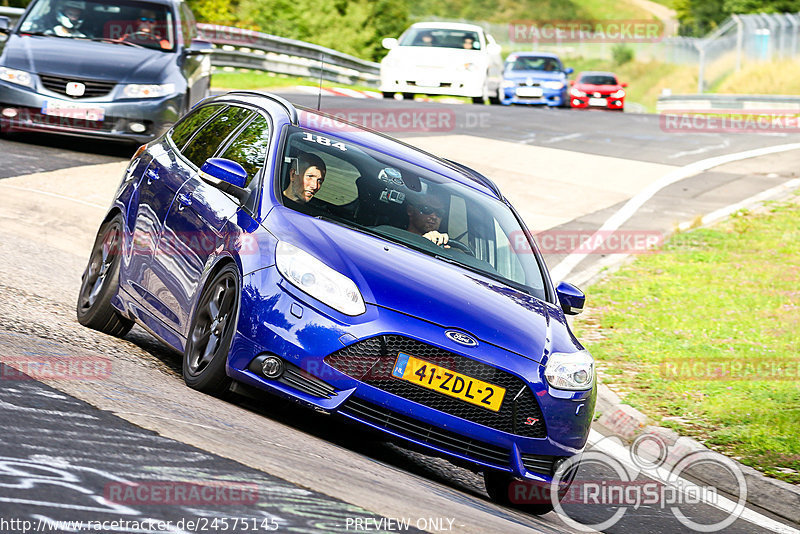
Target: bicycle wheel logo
649, 473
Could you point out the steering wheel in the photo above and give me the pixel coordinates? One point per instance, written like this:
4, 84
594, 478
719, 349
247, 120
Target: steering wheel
460, 246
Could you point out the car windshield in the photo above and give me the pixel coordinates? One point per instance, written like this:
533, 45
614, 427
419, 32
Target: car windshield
534, 63
442, 38
136, 24
599, 79
381, 195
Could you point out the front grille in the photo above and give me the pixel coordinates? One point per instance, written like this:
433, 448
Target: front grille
372, 360
532, 84
425, 433
94, 88
537, 463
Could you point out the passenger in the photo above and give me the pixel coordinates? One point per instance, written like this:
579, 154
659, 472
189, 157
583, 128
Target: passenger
425, 39
69, 18
468, 42
305, 180
424, 218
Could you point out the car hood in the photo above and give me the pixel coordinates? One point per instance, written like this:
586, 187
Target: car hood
85, 59
538, 75
406, 281
590, 87
431, 56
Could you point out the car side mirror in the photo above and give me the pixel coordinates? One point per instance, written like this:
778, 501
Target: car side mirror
624, 84
199, 47
571, 298
389, 42
227, 175
5, 24
569, 70
572, 82
494, 48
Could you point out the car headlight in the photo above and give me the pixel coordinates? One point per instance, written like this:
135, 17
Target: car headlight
135, 90
19, 77
576, 92
618, 94
310, 275
573, 371
509, 83
553, 85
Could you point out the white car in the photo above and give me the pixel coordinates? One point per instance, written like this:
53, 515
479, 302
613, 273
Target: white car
442, 58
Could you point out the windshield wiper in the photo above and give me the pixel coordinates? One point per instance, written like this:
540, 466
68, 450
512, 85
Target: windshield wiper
496, 277
109, 40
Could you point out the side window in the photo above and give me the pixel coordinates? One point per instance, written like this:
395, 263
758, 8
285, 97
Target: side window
188, 25
183, 131
206, 142
249, 149
340, 180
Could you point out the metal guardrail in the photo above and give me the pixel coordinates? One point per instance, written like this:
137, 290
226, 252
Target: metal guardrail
247, 49
710, 102
11, 12
235, 47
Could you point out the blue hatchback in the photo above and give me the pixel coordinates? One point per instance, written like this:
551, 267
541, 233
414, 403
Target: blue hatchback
534, 78
284, 249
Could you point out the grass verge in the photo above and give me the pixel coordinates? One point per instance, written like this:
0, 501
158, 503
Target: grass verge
703, 337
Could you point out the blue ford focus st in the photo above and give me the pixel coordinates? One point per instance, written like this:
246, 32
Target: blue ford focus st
281, 248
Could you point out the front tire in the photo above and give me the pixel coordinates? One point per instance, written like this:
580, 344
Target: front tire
211, 333
100, 282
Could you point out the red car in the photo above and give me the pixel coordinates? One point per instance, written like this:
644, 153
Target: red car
597, 90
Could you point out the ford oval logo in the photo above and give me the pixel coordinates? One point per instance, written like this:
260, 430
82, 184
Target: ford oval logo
461, 338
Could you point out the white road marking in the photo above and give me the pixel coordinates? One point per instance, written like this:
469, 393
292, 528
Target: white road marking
724, 144
568, 264
560, 138
720, 502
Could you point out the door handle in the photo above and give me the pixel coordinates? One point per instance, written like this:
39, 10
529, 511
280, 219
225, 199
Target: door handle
184, 200
152, 175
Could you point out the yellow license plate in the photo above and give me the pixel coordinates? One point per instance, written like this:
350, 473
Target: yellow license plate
463, 387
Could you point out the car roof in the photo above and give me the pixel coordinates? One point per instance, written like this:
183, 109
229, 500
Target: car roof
448, 26
355, 133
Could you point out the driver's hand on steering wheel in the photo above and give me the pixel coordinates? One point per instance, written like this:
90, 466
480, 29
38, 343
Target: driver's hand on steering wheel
438, 238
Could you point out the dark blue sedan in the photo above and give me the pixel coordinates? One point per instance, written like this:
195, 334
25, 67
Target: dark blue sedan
322, 262
119, 70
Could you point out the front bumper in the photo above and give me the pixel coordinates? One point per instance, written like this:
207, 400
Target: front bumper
602, 102
549, 97
436, 83
288, 323
21, 110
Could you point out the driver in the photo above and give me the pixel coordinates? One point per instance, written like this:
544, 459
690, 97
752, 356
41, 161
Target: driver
305, 180
69, 18
424, 217
147, 29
